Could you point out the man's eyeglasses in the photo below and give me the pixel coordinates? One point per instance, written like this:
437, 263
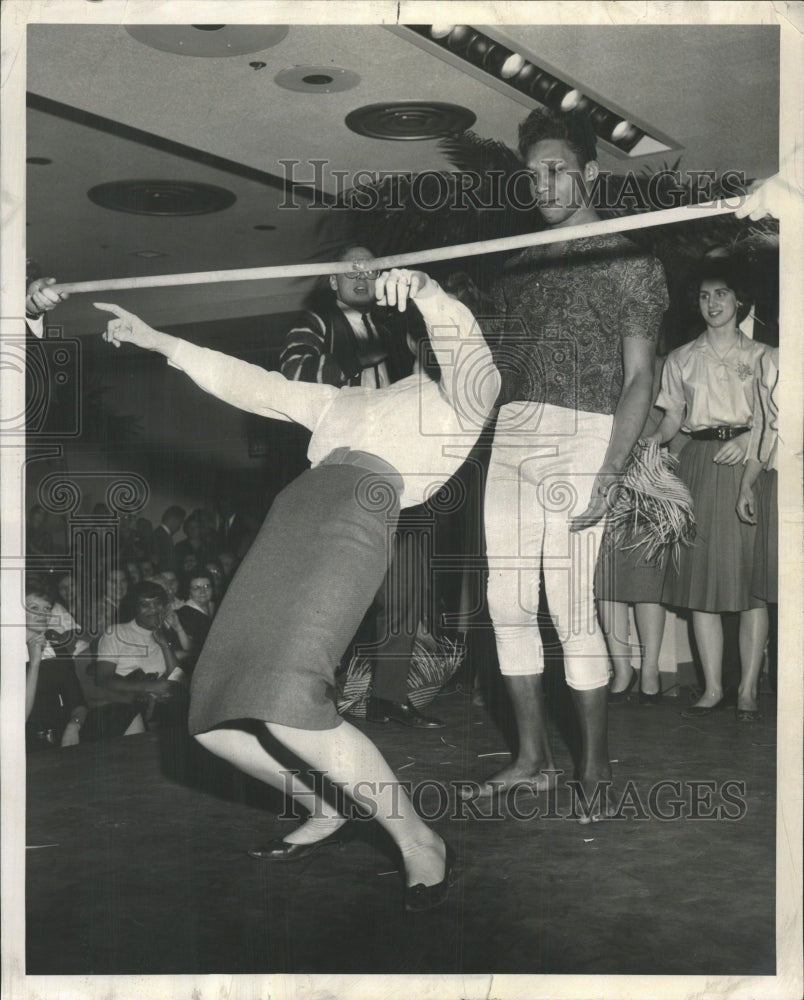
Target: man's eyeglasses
362, 274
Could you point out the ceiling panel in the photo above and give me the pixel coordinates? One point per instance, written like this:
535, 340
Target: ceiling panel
712, 89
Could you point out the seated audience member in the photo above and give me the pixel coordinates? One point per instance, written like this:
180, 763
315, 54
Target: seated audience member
133, 572
196, 613
215, 571
229, 563
63, 619
147, 570
169, 582
55, 709
171, 523
135, 660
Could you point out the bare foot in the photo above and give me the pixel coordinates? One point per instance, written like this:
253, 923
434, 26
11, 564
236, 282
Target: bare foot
514, 776
593, 798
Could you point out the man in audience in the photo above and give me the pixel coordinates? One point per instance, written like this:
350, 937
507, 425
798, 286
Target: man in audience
343, 343
135, 662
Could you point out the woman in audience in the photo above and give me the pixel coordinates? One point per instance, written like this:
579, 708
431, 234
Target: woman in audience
63, 618
195, 615
55, 709
707, 391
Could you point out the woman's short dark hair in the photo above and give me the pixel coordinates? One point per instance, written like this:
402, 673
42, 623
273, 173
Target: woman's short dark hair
575, 130
732, 272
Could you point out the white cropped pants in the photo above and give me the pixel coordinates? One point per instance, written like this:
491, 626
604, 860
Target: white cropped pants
542, 470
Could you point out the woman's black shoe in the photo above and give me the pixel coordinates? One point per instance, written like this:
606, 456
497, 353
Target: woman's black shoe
650, 699
617, 696
427, 897
405, 713
281, 850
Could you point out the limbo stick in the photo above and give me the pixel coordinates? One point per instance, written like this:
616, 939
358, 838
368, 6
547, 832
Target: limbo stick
624, 224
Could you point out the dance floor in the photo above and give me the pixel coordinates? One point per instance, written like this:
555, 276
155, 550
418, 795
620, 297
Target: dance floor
141, 863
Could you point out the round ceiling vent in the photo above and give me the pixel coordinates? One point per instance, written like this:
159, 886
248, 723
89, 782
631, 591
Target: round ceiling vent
162, 197
317, 79
210, 41
402, 120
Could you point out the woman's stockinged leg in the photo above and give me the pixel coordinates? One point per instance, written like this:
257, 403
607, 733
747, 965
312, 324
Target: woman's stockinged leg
650, 619
753, 636
351, 761
708, 628
614, 622
245, 751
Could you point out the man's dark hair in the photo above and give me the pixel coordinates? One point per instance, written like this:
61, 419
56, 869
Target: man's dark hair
575, 130
344, 253
146, 591
732, 272
174, 511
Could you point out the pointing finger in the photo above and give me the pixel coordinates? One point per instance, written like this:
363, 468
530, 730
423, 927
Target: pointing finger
110, 307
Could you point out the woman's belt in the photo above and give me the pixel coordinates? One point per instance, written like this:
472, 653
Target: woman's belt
722, 433
362, 459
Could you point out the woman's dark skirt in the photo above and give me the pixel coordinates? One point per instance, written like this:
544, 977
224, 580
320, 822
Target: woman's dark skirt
766, 551
625, 575
296, 601
715, 573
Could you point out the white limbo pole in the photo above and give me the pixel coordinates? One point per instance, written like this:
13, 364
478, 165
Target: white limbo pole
624, 224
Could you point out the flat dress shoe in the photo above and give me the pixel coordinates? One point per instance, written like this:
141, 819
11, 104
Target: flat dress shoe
281, 850
383, 710
747, 714
425, 897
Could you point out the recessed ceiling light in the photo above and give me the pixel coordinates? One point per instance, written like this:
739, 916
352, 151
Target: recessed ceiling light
317, 79
211, 41
147, 254
409, 120
39, 161
169, 198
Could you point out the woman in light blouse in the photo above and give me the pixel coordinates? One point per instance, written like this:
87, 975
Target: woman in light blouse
707, 390
311, 573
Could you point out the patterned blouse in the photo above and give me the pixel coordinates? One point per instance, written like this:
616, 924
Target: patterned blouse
565, 310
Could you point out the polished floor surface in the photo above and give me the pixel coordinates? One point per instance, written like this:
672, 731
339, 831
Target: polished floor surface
137, 860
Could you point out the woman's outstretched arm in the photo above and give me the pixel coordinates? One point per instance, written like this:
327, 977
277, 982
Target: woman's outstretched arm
246, 386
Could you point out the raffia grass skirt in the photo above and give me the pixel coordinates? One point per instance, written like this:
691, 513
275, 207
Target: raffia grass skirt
715, 573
